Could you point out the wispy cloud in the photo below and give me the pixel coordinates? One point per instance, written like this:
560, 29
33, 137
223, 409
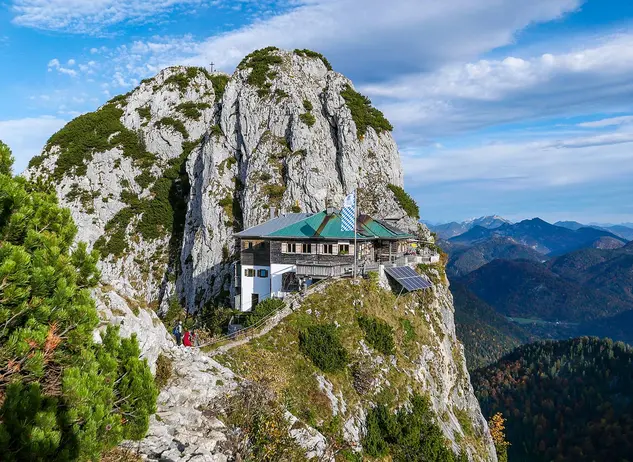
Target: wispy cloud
27, 136
90, 17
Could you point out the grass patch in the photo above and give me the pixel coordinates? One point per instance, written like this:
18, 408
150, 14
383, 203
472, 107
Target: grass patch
219, 85
364, 114
307, 118
405, 201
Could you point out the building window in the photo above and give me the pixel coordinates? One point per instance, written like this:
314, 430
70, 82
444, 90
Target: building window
306, 248
289, 247
262, 273
249, 273
328, 249
343, 249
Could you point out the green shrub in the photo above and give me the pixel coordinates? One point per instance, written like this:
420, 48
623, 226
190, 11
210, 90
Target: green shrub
144, 179
275, 192
307, 105
307, 118
280, 94
405, 201
363, 113
145, 112
295, 208
263, 309
313, 54
64, 396
80, 138
410, 434
173, 123
260, 61
378, 334
192, 110
321, 344
219, 82
164, 370
216, 131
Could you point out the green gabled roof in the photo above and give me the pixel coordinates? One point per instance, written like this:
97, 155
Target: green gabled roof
323, 226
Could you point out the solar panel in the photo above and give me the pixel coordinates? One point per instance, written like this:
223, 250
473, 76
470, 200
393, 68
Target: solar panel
408, 278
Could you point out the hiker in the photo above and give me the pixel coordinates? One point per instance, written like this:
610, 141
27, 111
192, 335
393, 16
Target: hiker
178, 332
186, 340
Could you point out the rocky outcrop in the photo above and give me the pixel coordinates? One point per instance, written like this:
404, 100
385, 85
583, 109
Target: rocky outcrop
159, 179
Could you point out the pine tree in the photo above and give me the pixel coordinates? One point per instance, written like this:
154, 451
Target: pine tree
62, 396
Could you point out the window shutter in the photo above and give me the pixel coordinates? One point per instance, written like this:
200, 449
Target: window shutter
351, 249
313, 248
284, 247
334, 249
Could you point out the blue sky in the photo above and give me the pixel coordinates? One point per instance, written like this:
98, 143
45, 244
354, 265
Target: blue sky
502, 107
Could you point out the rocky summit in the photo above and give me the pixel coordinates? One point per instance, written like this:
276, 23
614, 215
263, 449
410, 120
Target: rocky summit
159, 179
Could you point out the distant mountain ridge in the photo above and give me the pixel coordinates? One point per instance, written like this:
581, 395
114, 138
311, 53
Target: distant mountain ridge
544, 237
624, 230
452, 229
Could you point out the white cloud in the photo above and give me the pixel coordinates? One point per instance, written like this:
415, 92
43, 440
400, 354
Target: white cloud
610, 122
469, 96
90, 16
370, 39
71, 62
27, 136
55, 64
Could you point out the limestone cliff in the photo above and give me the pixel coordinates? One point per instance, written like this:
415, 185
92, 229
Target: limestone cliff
159, 179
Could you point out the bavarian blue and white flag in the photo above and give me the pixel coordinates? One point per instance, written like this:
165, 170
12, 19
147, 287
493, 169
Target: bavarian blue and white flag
348, 213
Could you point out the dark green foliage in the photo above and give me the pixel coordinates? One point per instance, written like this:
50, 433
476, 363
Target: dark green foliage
164, 370
405, 201
90, 133
145, 113
275, 192
192, 110
219, 82
262, 310
216, 131
6, 159
313, 54
307, 105
322, 345
183, 80
280, 94
565, 401
295, 209
307, 118
260, 61
363, 113
64, 397
410, 435
163, 213
378, 334
486, 334
144, 179
173, 123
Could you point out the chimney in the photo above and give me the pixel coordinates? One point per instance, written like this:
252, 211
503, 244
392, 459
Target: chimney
329, 208
273, 212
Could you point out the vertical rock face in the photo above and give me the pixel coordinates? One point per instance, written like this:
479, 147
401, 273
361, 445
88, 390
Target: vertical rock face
159, 179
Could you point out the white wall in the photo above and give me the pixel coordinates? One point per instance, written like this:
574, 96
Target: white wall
254, 285
276, 272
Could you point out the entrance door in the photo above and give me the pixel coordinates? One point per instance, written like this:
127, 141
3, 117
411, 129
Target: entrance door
254, 300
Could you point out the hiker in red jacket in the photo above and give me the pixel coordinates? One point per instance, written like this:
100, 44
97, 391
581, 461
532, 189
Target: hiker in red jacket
186, 340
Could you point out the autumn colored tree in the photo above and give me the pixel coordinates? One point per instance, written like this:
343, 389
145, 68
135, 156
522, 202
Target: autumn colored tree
62, 396
497, 431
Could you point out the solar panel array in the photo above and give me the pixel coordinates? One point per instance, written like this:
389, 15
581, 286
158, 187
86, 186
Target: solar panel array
409, 279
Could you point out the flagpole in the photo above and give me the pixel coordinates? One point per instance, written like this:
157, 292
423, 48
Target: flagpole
355, 220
